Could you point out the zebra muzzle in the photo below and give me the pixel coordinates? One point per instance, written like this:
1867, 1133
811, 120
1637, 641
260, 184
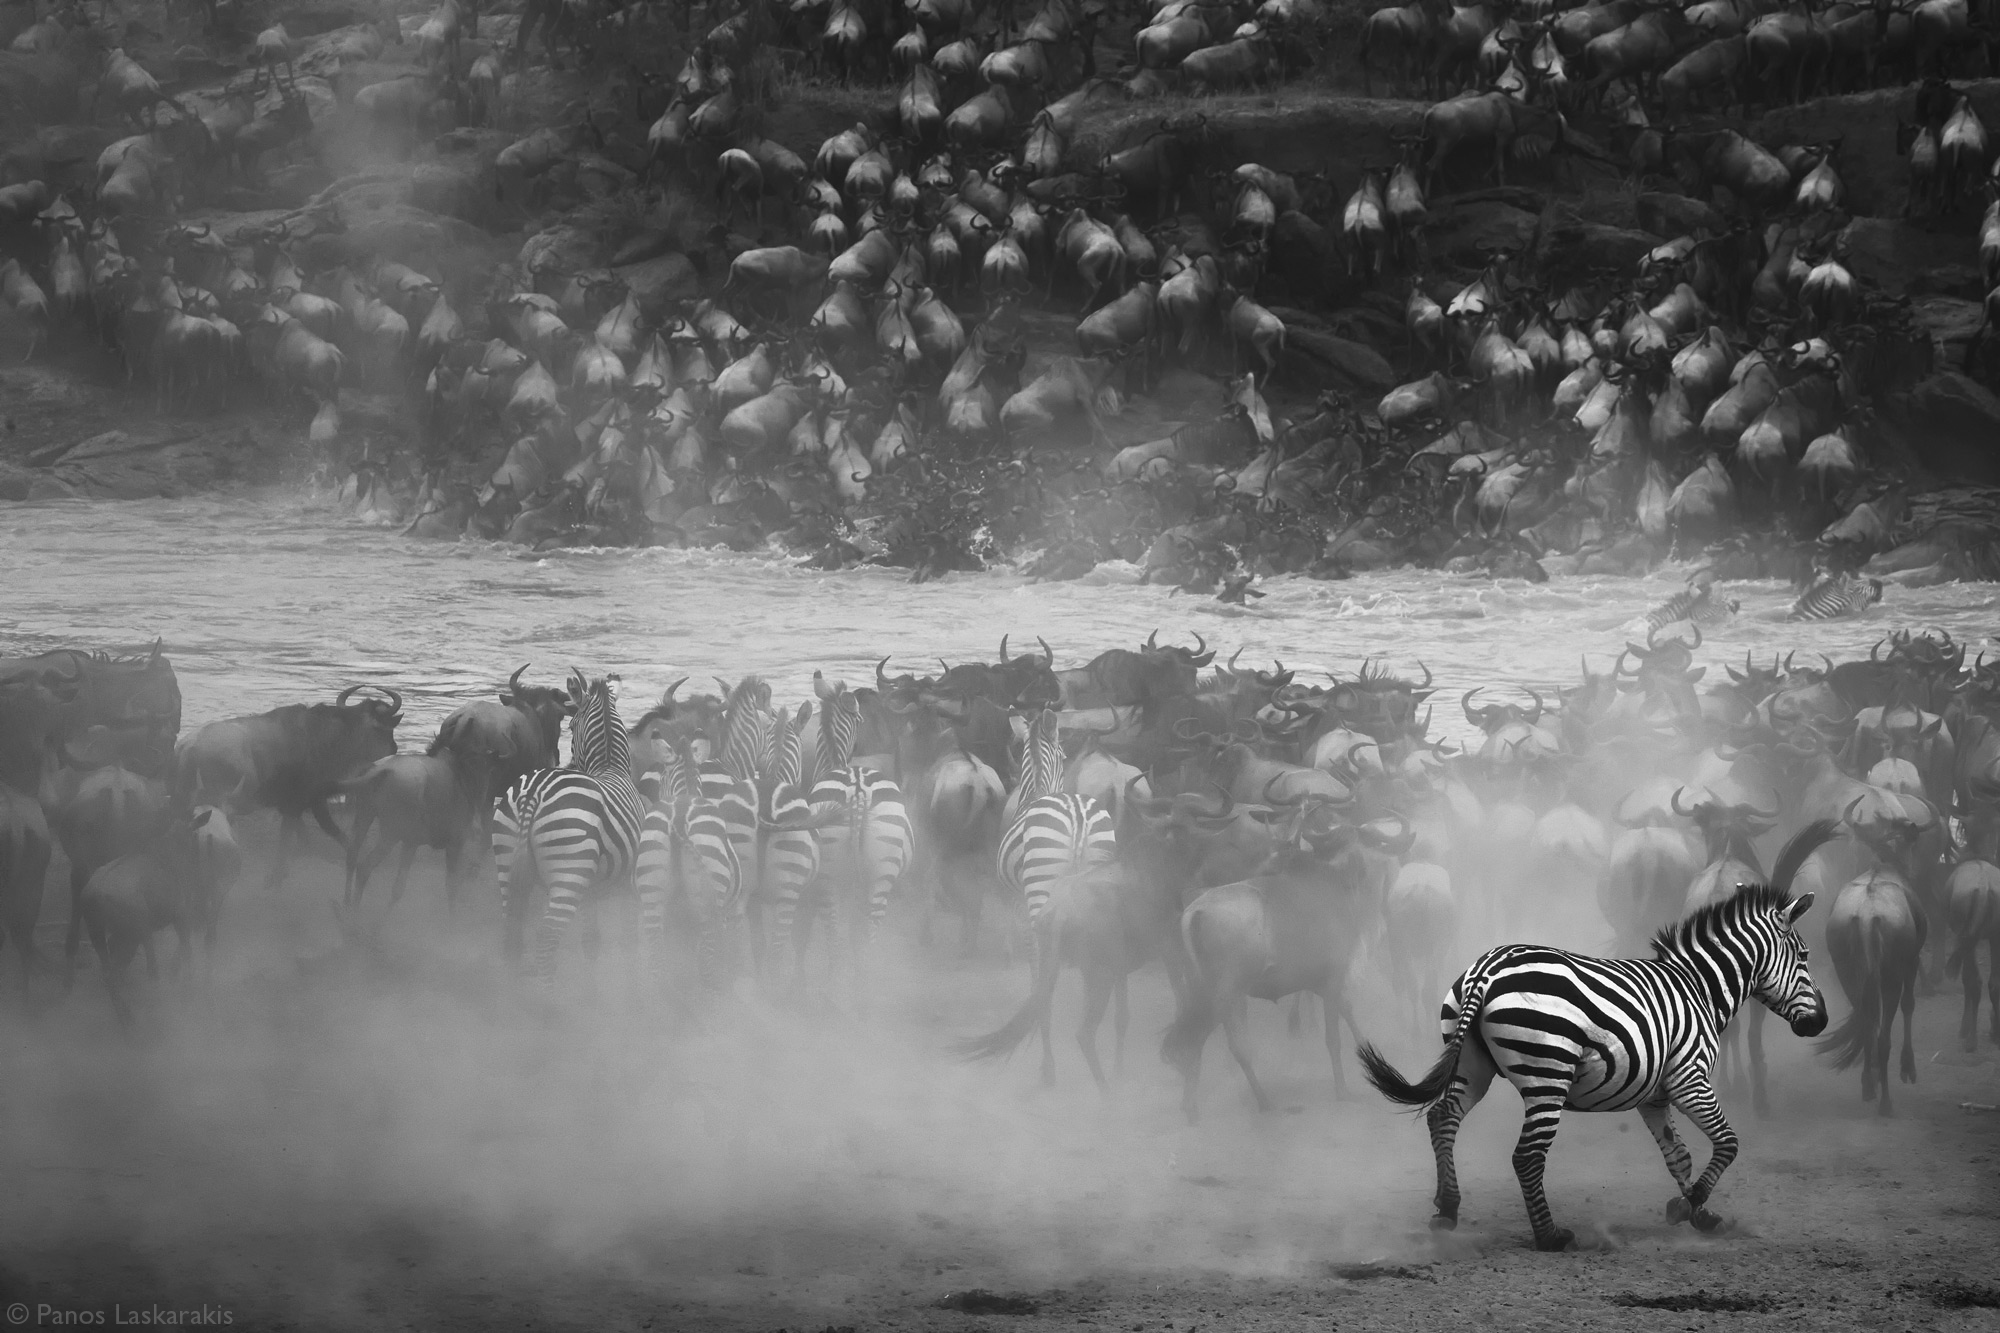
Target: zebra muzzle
1812, 1022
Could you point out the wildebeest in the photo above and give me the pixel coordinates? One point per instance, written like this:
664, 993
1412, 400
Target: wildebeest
431, 800
134, 897
519, 734
291, 760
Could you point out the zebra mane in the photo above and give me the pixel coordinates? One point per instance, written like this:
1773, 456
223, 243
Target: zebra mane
1748, 901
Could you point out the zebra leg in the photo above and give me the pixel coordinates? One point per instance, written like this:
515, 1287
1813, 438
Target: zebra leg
1659, 1118
1699, 1105
564, 899
1542, 1108
1234, 1014
1469, 1082
1753, 1034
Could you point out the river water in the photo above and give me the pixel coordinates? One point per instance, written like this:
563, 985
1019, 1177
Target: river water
269, 599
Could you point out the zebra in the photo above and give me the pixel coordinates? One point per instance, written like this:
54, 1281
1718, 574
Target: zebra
579, 828
865, 837
1697, 605
1834, 597
787, 849
1050, 833
1616, 1034
687, 867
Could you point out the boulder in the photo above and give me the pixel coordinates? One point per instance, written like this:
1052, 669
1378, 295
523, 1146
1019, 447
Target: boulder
1467, 233
660, 282
1670, 215
460, 180
1313, 353
1953, 424
563, 248
1875, 175
1566, 244
459, 255
1949, 322
1901, 258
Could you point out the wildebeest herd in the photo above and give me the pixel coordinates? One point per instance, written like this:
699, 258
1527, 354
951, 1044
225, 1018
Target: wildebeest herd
844, 358
1254, 835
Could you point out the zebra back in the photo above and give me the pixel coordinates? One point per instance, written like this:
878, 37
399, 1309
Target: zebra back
745, 719
597, 741
839, 721
1681, 606
1835, 596
781, 751
1042, 758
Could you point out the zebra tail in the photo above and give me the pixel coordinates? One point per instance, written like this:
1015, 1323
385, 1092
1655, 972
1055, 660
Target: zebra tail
1847, 1045
1003, 1040
1387, 1080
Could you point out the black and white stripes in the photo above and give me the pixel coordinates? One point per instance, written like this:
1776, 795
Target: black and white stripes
1612, 1034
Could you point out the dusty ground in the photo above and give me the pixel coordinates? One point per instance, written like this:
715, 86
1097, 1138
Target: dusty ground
385, 1136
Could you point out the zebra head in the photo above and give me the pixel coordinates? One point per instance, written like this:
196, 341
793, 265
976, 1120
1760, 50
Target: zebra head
597, 740
1781, 977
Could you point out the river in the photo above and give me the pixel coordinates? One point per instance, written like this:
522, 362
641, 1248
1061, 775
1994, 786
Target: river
266, 599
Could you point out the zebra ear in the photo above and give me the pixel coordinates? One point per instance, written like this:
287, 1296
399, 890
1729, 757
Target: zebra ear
1798, 908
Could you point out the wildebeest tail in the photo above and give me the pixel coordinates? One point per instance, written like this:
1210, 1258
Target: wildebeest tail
1194, 1018
1847, 1045
1389, 1081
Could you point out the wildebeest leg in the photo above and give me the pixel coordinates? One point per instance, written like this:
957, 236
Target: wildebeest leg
286, 825
403, 877
324, 818
1097, 989
1907, 1066
1968, 973
1121, 1014
1332, 1004
1235, 1012
78, 876
112, 958
454, 869
1753, 1025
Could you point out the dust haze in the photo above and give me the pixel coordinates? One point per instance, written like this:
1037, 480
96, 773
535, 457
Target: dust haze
333, 1131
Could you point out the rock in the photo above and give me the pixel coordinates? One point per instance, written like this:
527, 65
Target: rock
1670, 215
563, 248
1900, 258
459, 255
660, 282
1875, 175
15, 482
1953, 423
460, 181
1312, 352
1950, 323
119, 466
1565, 243
1466, 233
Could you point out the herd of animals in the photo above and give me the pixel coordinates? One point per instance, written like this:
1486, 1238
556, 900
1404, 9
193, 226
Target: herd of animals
1254, 835
852, 373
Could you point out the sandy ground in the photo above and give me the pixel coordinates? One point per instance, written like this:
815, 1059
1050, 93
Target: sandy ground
388, 1135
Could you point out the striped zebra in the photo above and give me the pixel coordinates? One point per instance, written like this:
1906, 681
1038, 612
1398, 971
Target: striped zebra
1835, 597
1616, 1034
787, 850
1697, 606
574, 831
1050, 833
865, 838
687, 869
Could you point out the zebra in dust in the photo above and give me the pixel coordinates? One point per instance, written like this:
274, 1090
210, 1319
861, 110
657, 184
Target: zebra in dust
687, 869
1616, 1034
787, 848
574, 831
863, 828
729, 781
1051, 833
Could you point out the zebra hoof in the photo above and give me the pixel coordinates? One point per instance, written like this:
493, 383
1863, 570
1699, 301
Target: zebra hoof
1679, 1209
1444, 1221
1706, 1221
1560, 1239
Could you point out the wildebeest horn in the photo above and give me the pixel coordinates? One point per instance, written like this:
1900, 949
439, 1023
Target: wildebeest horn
1152, 640
1427, 676
1675, 802
1874, 654
1048, 653
514, 681
346, 694
1466, 704
881, 680
1848, 814
667, 699
1697, 636
1003, 650
1538, 706
1829, 663
1230, 665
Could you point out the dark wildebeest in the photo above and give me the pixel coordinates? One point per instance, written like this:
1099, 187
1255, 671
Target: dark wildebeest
519, 734
418, 800
132, 898
291, 760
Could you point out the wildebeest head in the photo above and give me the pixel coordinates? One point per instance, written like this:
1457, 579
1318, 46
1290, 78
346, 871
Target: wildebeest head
548, 705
